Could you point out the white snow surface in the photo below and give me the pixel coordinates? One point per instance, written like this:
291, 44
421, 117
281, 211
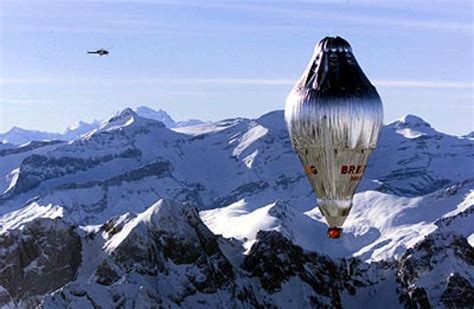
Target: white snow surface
245, 177
17, 218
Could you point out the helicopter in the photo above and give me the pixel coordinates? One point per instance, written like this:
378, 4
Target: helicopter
101, 52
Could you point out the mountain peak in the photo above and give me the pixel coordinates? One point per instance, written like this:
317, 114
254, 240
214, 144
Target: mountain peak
165, 217
122, 119
144, 109
16, 129
469, 135
20, 136
127, 112
75, 126
126, 118
412, 121
80, 128
411, 126
159, 115
273, 119
168, 211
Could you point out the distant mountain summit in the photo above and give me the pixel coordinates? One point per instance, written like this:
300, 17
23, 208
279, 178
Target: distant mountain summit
165, 118
412, 126
127, 118
79, 128
19, 136
158, 115
469, 135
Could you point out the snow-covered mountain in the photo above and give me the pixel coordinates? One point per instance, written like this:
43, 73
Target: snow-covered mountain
159, 115
19, 136
405, 239
79, 128
469, 135
166, 256
165, 118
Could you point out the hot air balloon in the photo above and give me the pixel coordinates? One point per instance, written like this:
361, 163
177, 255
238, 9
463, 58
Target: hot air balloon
334, 116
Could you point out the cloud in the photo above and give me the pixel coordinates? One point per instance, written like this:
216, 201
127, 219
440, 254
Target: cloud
28, 80
286, 15
424, 84
22, 101
229, 81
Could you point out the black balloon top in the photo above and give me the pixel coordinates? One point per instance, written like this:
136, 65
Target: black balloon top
335, 72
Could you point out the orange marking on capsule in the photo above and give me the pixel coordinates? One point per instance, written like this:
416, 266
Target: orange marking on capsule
310, 169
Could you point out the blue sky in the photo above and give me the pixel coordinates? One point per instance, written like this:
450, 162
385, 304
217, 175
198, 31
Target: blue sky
221, 59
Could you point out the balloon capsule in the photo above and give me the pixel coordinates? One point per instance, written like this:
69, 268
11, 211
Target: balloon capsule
334, 116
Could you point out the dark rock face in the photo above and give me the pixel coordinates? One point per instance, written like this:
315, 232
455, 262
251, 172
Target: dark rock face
437, 257
274, 259
415, 298
30, 146
37, 168
459, 293
38, 258
274, 267
428, 182
149, 248
5, 297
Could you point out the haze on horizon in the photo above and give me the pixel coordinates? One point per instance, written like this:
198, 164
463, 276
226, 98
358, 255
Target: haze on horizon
213, 60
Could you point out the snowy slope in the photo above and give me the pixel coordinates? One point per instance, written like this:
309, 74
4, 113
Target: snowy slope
413, 159
166, 256
243, 176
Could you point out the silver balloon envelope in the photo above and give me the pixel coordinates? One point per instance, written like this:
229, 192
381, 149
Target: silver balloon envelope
334, 117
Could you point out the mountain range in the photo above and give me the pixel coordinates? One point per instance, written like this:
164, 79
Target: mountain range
141, 211
19, 136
